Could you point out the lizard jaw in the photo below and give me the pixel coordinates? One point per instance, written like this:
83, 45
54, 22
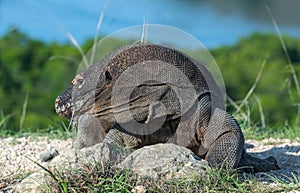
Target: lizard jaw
63, 109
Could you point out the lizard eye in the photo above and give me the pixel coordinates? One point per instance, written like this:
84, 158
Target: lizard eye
80, 81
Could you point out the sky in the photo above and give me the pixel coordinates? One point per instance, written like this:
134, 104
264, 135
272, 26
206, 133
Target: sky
212, 22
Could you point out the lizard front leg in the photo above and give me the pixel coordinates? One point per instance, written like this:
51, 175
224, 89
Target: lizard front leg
122, 138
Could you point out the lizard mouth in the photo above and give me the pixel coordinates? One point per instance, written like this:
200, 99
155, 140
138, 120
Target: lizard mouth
63, 108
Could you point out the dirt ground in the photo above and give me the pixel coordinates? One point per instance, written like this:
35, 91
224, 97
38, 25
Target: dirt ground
14, 154
286, 152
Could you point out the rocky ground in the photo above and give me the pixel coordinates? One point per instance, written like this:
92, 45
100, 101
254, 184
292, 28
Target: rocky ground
15, 154
286, 152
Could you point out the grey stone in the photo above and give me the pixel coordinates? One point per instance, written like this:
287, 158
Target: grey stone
104, 152
164, 162
155, 162
49, 155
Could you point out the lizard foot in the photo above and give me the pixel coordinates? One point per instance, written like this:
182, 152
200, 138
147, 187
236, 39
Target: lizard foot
252, 164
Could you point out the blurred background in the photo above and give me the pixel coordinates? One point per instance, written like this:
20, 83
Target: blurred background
213, 22
255, 43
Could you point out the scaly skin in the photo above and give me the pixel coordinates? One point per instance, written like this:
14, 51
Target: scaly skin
203, 126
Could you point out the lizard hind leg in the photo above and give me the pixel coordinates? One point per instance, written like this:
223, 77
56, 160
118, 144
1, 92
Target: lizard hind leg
225, 152
252, 164
224, 141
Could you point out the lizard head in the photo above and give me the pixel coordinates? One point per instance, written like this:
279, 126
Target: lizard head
64, 103
83, 91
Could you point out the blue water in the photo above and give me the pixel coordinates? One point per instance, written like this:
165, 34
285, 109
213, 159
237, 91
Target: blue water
213, 22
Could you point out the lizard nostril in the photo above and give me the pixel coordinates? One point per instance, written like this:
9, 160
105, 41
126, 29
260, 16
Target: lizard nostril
56, 101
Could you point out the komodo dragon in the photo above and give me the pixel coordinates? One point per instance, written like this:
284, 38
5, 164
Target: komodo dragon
130, 112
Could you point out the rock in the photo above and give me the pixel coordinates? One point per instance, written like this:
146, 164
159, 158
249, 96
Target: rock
103, 152
67, 160
49, 155
164, 162
155, 162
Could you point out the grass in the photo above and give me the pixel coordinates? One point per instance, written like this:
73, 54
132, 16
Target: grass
90, 178
292, 183
55, 131
3, 123
255, 131
259, 133
96, 177
106, 179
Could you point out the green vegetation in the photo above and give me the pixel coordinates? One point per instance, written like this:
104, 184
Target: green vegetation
275, 100
103, 178
33, 73
97, 177
37, 70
